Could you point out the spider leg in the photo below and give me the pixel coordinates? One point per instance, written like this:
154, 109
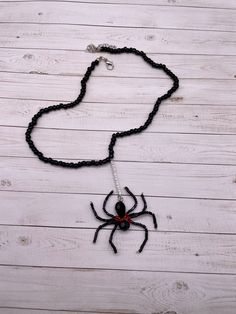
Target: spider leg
134, 198
96, 214
146, 234
105, 202
146, 213
98, 229
111, 237
144, 202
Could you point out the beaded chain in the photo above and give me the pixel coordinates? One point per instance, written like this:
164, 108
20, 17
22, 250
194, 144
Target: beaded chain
112, 50
124, 217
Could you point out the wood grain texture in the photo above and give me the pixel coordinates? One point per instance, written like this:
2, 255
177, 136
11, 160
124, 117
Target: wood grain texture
148, 292
139, 91
173, 214
65, 247
69, 62
49, 36
160, 179
146, 147
184, 163
118, 15
173, 118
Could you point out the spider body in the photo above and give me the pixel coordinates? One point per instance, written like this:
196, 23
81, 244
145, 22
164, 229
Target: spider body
123, 219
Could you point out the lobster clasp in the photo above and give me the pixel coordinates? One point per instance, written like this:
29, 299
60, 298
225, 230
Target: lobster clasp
109, 64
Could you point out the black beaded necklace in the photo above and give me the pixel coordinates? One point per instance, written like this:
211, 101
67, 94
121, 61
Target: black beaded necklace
123, 218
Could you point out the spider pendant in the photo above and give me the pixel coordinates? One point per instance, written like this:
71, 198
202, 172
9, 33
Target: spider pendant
123, 219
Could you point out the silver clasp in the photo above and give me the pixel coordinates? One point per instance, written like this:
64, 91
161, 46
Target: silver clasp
93, 48
109, 64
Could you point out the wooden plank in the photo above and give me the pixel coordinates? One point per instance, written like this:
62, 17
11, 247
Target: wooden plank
51, 36
186, 3
133, 292
118, 15
64, 62
147, 147
107, 116
118, 90
154, 179
164, 251
221, 4
173, 214
50, 88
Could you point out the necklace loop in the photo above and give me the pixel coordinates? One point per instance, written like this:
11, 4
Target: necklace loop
109, 64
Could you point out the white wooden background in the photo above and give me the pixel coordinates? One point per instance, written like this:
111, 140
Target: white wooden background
185, 162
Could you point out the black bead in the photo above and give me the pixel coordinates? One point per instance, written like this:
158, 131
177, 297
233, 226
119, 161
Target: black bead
124, 225
120, 209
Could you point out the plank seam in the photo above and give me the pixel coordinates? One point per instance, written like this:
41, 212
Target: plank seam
116, 76
128, 161
104, 194
132, 4
133, 229
151, 53
110, 131
122, 27
100, 102
115, 269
